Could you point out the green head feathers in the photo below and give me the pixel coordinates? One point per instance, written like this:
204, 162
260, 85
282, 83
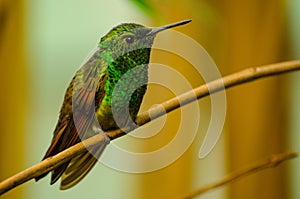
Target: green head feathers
128, 37
126, 40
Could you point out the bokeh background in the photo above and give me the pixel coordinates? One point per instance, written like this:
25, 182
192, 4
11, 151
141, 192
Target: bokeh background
43, 42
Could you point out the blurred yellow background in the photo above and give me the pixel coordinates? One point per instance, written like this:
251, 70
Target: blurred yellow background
43, 43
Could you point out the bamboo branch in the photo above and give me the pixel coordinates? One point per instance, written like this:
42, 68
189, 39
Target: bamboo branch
270, 162
234, 79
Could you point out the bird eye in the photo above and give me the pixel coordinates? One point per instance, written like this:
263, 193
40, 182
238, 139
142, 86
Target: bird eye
129, 39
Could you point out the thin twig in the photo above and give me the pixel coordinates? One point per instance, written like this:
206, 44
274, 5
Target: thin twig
238, 78
270, 162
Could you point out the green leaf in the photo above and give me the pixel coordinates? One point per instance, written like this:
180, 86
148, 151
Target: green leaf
145, 6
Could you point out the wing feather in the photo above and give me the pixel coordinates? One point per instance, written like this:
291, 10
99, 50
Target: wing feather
80, 95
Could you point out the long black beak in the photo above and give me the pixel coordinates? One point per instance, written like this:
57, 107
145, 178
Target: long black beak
159, 29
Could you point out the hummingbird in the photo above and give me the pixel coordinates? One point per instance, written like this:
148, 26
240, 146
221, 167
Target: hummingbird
102, 97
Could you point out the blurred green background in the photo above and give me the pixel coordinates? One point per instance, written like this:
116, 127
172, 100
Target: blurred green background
43, 43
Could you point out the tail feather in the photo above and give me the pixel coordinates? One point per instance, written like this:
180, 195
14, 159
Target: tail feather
57, 172
80, 166
77, 171
77, 168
